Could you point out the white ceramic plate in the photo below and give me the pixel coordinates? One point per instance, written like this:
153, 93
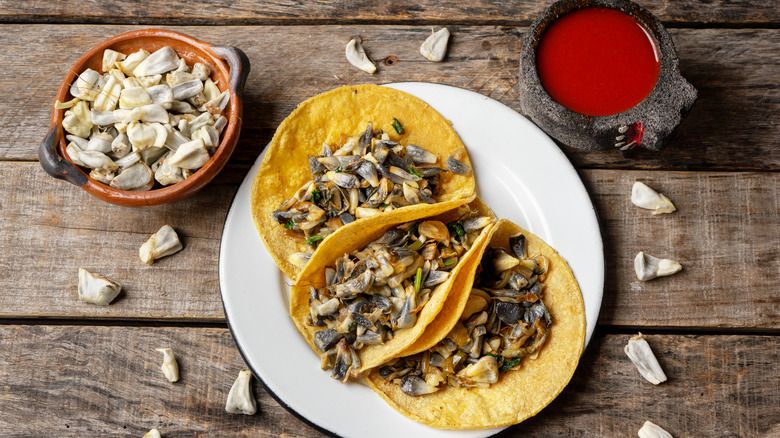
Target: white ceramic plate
521, 174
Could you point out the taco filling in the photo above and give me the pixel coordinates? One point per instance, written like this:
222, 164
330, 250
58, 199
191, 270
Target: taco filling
372, 292
504, 321
365, 175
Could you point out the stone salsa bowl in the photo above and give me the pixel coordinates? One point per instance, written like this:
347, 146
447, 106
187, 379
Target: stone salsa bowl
648, 124
230, 67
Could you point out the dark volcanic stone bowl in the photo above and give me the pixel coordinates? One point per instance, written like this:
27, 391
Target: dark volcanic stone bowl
648, 124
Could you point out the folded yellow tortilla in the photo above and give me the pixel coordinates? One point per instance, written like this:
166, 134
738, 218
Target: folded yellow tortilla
520, 393
329, 118
373, 228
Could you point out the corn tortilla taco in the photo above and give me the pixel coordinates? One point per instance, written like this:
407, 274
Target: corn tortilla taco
348, 154
365, 297
513, 349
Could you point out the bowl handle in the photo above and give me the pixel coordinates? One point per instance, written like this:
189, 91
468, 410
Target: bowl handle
239, 66
54, 164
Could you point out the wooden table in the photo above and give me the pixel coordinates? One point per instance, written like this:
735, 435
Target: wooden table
72, 369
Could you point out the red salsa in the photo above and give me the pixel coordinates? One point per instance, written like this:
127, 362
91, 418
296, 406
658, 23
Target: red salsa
597, 61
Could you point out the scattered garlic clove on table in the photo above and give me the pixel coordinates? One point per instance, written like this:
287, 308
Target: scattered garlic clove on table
97, 289
240, 399
169, 366
356, 56
638, 350
154, 433
162, 243
644, 197
651, 430
435, 46
648, 267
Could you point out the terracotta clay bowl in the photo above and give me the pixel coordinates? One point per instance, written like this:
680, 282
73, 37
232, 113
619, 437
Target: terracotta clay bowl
230, 67
648, 124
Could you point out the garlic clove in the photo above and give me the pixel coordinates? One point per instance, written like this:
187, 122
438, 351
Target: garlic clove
162, 243
169, 366
240, 399
154, 433
357, 56
435, 46
648, 267
651, 430
638, 350
97, 289
201, 71
644, 197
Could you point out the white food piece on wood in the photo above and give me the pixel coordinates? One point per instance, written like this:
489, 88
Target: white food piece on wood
644, 197
169, 366
648, 267
78, 120
97, 289
240, 399
191, 155
161, 61
162, 243
638, 350
138, 177
651, 430
356, 56
87, 85
435, 46
154, 433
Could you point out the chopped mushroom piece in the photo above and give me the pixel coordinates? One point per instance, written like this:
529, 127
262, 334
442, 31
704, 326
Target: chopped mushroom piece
638, 350
651, 430
648, 267
240, 399
162, 243
169, 367
644, 197
154, 433
97, 289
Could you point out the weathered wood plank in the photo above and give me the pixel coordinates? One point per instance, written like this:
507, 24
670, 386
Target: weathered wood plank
295, 11
105, 381
724, 234
732, 126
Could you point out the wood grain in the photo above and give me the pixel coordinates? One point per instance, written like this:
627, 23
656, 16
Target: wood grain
724, 234
295, 11
733, 125
105, 381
